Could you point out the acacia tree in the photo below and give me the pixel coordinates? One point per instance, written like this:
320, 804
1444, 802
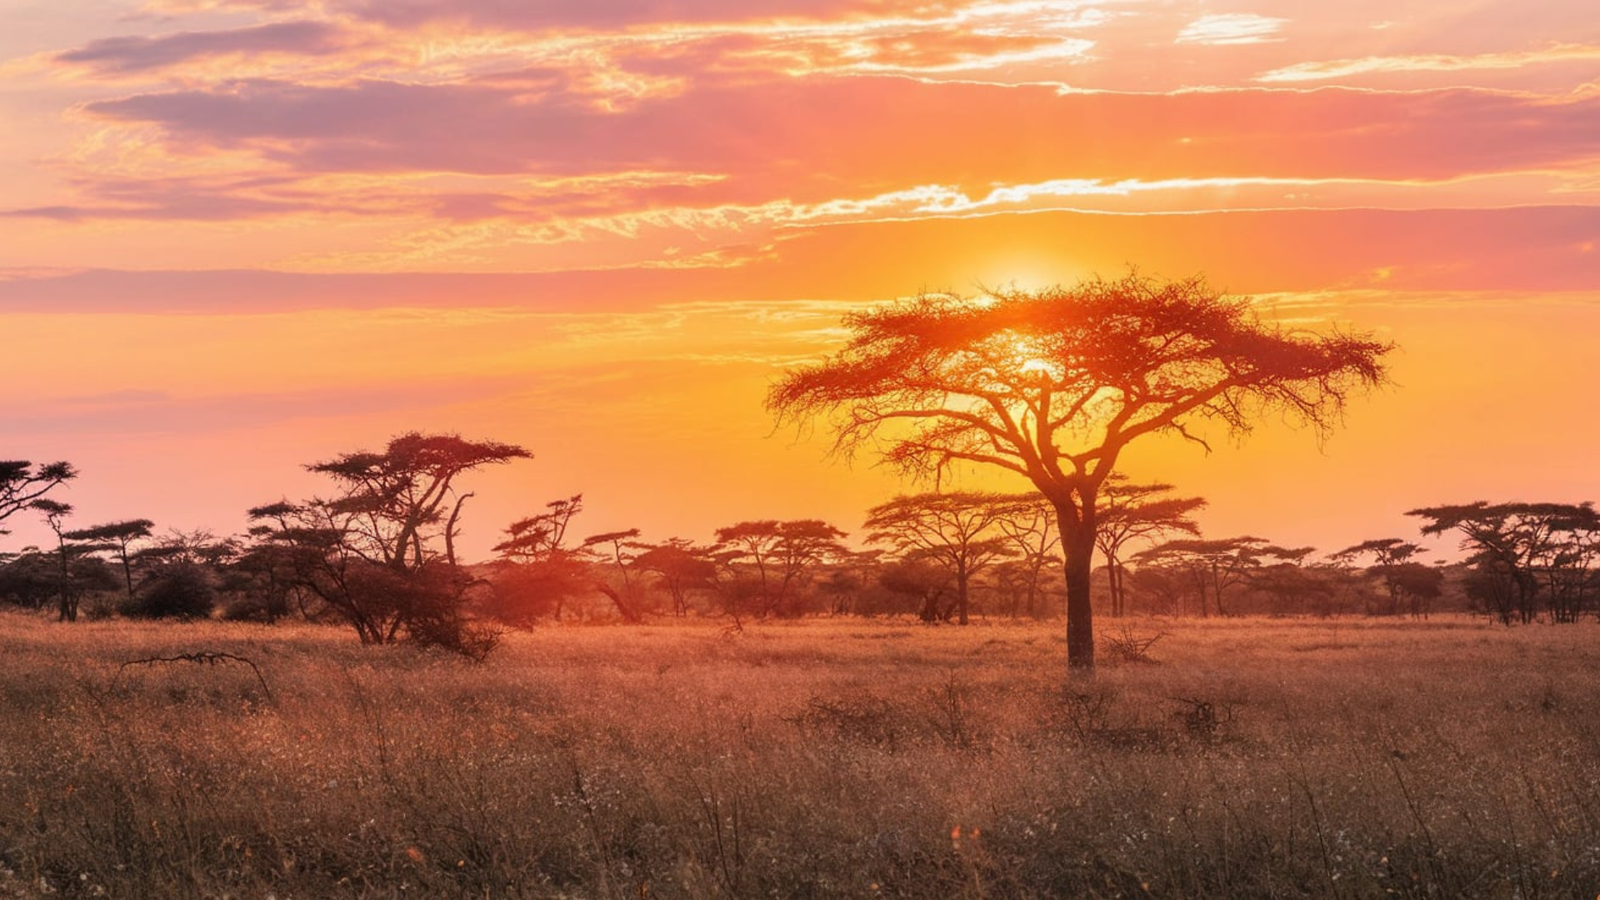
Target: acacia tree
623, 546
116, 537
1521, 551
391, 500
1393, 558
1290, 583
780, 553
1053, 385
1029, 525
67, 597
923, 580
1134, 512
680, 567
1212, 566
371, 553
539, 572
1570, 577
538, 538
956, 529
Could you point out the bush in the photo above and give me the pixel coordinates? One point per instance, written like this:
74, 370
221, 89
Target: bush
178, 591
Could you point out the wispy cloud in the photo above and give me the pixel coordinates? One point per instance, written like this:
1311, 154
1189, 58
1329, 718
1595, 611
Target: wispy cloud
137, 53
1344, 68
821, 136
1231, 28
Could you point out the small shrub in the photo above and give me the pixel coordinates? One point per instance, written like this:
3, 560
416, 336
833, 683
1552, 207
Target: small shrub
1126, 647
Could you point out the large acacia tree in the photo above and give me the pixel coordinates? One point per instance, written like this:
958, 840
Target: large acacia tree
1054, 384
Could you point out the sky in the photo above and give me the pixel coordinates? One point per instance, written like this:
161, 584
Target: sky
241, 236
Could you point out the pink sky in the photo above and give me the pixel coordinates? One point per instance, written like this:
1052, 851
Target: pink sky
237, 236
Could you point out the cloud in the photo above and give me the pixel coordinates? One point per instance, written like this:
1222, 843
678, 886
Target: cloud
613, 60
819, 138
1538, 248
1344, 68
585, 14
123, 55
1230, 28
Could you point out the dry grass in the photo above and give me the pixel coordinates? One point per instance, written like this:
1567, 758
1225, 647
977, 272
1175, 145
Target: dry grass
825, 759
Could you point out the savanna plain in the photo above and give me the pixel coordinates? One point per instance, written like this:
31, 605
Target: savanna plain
824, 758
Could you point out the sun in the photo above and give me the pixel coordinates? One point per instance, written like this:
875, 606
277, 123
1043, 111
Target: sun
1030, 356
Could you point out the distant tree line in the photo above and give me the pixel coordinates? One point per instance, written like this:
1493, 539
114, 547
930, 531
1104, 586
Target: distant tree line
378, 555
1050, 385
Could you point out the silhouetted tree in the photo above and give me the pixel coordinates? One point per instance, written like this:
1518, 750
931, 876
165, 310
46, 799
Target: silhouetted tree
184, 574
261, 581
1029, 524
116, 538
1569, 565
539, 572
179, 589
305, 544
1290, 585
30, 579
1022, 586
370, 553
680, 567
1213, 566
537, 538
1161, 588
67, 594
1420, 585
780, 553
389, 501
1392, 559
622, 545
22, 483
846, 577
1135, 512
1520, 551
1052, 385
955, 529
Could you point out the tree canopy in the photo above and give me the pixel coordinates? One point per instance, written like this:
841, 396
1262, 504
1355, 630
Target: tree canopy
1053, 384
22, 482
393, 497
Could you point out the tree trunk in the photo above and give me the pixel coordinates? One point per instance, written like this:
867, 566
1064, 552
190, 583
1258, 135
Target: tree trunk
127, 572
67, 597
961, 595
1078, 553
1111, 583
624, 608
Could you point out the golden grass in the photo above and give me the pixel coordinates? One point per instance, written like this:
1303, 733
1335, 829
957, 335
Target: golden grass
1262, 758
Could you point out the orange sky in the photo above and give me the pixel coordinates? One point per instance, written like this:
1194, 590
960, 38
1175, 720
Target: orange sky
237, 236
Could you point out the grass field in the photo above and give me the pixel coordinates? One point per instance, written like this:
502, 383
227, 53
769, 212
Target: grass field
1254, 758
